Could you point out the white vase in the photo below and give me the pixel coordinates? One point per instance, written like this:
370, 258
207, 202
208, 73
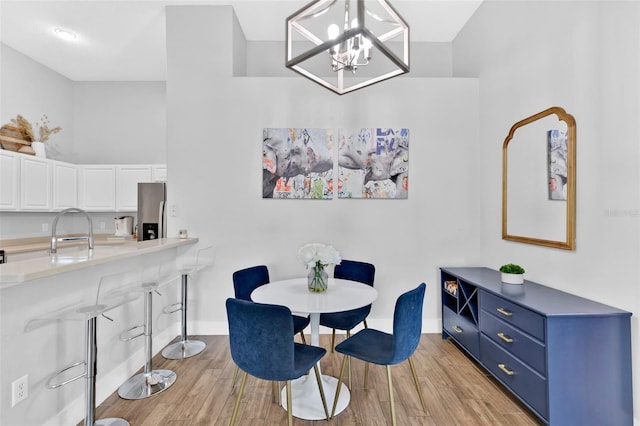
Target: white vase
511, 278
39, 148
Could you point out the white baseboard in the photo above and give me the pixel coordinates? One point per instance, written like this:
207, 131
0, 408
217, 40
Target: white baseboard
220, 328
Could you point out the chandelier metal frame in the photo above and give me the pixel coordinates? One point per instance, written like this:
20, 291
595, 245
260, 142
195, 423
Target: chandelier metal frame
340, 47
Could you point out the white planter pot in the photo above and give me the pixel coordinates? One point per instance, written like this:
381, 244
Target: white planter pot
511, 278
39, 148
514, 290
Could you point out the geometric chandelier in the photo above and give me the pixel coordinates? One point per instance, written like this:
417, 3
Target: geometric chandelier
345, 45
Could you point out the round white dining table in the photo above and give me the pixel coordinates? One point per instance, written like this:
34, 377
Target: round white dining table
341, 295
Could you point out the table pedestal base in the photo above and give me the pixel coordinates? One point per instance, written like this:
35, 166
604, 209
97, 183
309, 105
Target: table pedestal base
307, 403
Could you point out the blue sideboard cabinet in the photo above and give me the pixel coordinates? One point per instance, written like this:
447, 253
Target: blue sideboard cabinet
565, 357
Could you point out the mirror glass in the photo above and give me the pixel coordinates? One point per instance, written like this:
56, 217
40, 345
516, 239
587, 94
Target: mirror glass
538, 185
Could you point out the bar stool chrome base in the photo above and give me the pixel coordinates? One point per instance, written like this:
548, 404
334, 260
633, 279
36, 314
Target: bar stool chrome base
144, 385
183, 349
114, 421
151, 381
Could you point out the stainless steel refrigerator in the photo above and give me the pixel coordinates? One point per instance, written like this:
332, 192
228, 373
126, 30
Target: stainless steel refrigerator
152, 222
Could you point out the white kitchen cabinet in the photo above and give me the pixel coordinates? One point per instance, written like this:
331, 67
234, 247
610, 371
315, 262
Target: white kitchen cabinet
9, 180
29, 183
127, 179
35, 183
65, 185
98, 187
159, 173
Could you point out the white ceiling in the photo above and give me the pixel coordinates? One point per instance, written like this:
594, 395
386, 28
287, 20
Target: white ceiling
125, 40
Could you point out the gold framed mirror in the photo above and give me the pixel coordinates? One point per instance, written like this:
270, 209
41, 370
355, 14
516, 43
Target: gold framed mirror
539, 180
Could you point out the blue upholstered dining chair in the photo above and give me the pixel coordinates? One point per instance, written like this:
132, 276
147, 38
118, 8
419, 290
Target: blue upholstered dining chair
347, 320
248, 279
261, 343
373, 346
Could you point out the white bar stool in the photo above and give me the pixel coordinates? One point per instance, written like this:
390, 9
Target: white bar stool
186, 348
89, 313
150, 382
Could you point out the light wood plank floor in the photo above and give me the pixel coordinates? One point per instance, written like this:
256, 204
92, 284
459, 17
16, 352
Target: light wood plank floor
456, 390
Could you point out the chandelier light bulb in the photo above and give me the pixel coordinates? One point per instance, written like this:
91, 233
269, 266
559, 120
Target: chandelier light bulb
333, 31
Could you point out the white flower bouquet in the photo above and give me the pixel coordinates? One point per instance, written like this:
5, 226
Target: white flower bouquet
318, 255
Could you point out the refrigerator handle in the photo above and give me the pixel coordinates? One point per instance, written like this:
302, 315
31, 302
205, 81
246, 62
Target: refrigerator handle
161, 230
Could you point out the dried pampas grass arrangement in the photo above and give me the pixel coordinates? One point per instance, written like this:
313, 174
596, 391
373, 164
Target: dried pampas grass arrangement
24, 127
44, 131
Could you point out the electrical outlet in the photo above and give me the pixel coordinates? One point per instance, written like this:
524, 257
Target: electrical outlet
19, 390
103, 225
45, 227
173, 211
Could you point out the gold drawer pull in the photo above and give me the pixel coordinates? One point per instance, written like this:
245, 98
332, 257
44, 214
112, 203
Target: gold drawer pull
506, 370
504, 312
505, 338
458, 329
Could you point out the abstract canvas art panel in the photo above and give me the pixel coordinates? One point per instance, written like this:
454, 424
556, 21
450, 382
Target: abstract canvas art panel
373, 163
297, 163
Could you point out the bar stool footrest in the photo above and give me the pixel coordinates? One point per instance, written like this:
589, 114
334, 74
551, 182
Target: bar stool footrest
64, 370
183, 349
127, 335
169, 309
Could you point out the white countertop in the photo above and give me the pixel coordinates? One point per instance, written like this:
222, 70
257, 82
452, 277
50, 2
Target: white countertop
75, 258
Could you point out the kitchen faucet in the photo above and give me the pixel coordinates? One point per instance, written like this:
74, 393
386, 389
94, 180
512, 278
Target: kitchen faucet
54, 237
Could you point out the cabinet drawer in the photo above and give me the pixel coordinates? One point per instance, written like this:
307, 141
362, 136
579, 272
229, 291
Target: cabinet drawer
523, 381
529, 321
514, 341
462, 330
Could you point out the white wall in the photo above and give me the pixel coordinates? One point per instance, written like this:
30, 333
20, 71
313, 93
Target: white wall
120, 122
102, 123
584, 57
32, 90
215, 127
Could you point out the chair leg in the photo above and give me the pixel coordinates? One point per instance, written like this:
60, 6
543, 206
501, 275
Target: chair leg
418, 387
333, 340
393, 407
275, 392
322, 396
365, 323
349, 335
335, 399
366, 374
304, 341
289, 404
237, 404
235, 377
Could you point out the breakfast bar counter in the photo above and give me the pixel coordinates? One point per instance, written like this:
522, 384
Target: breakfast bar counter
79, 257
38, 339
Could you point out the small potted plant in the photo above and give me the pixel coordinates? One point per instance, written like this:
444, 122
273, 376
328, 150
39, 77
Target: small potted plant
512, 273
